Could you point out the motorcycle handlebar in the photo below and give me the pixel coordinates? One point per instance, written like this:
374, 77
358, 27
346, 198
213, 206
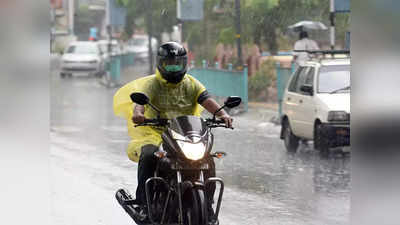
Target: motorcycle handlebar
153, 122
217, 123
220, 121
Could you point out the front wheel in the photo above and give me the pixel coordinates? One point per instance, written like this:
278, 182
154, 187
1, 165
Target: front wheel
320, 140
194, 207
290, 140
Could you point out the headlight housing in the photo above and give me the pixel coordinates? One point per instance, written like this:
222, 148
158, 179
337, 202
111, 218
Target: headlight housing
192, 151
338, 116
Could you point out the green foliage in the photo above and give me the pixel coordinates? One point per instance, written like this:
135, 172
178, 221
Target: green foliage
260, 81
84, 20
227, 36
263, 22
123, 3
163, 15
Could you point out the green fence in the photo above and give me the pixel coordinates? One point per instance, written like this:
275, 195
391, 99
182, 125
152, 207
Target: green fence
119, 62
282, 77
223, 83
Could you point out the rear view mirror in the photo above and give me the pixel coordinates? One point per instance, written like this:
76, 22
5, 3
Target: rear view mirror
139, 98
306, 88
232, 101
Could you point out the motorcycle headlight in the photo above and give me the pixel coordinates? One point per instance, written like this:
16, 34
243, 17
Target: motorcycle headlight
338, 116
192, 151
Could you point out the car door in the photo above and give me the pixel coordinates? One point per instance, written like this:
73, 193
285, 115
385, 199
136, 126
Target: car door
306, 106
290, 101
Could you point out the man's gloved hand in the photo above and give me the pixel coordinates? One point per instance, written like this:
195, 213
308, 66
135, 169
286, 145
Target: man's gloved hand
228, 120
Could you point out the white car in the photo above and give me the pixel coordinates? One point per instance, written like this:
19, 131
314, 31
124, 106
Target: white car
139, 45
316, 105
82, 57
116, 48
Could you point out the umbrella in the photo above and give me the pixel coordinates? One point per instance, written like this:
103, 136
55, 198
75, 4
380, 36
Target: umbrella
312, 25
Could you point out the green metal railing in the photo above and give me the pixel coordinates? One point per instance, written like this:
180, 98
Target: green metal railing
223, 83
282, 77
118, 63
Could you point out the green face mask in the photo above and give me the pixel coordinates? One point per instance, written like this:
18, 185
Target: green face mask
173, 68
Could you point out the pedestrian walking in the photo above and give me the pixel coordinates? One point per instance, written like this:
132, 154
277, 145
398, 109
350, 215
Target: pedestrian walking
303, 44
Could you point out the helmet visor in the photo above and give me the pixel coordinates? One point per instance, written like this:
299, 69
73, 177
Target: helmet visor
173, 65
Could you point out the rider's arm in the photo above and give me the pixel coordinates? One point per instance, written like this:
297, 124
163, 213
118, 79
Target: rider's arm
138, 114
212, 106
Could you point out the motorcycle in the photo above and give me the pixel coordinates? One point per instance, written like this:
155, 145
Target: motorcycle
177, 193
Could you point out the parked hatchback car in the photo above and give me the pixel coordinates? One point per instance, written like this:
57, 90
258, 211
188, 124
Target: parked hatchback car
82, 57
316, 105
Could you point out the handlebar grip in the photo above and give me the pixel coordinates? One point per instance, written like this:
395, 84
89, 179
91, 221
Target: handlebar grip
149, 121
220, 121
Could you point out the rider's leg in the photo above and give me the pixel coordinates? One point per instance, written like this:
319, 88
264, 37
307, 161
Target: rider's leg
146, 168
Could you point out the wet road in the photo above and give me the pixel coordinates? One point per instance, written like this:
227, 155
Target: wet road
264, 184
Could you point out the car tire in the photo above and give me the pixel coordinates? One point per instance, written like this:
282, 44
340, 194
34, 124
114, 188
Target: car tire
320, 140
62, 75
290, 140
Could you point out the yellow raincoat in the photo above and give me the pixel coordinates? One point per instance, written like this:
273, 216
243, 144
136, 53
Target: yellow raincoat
173, 100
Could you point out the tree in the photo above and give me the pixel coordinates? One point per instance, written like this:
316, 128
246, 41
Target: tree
163, 14
84, 20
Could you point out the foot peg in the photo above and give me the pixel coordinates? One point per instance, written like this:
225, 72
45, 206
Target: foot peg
130, 206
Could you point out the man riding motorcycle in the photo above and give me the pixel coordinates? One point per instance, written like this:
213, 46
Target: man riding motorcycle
174, 93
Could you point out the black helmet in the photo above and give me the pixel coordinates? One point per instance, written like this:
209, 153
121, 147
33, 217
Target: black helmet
172, 61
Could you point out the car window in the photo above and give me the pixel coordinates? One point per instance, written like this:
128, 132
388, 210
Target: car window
83, 49
334, 77
302, 78
138, 42
310, 76
292, 85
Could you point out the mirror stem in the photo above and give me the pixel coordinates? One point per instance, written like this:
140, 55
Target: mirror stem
215, 113
155, 108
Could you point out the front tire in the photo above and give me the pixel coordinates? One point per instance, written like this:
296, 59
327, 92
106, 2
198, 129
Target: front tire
194, 207
320, 140
290, 140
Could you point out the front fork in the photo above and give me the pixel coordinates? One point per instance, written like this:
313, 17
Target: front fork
207, 183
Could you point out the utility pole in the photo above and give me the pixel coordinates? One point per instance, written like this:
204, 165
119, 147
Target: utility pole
332, 19
71, 13
150, 34
238, 32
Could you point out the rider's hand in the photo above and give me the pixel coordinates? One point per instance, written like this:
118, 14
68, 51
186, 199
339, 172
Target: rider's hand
138, 118
138, 114
228, 120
